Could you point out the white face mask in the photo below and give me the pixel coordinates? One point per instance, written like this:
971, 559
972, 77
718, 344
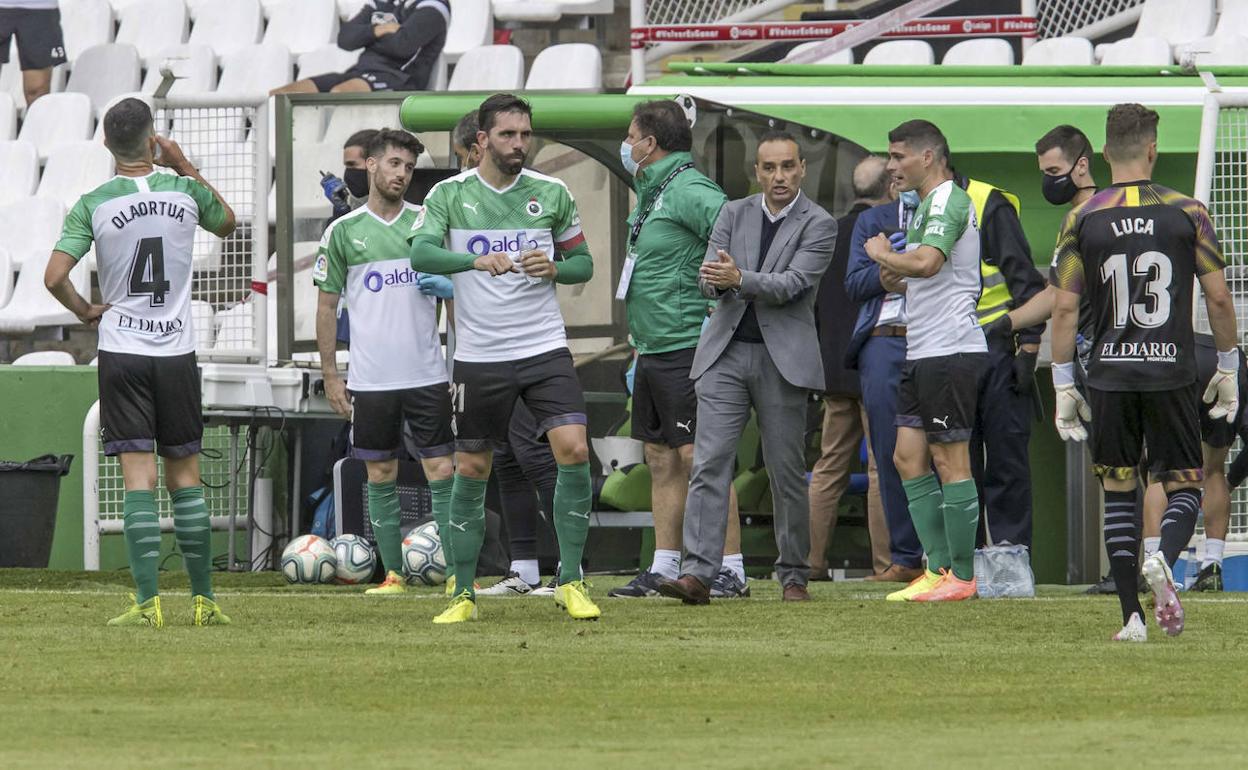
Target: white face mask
626, 158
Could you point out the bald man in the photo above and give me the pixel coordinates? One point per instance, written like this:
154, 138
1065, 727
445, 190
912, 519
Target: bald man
844, 416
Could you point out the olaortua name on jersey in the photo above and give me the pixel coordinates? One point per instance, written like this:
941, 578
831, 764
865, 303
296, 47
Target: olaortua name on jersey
150, 208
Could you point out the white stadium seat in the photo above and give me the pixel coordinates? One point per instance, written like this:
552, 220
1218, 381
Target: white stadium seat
489, 68
6, 276
1175, 21
1233, 19
1059, 51
1137, 51
194, 66
901, 52
567, 67
104, 71
586, 7
844, 56
531, 11
1223, 46
270, 6
32, 306
8, 117
55, 119
31, 227
227, 25
326, 59
988, 51
1225, 50
19, 171
439, 78
347, 9
472, 25
46, 358
85, 23
152, 26
75, 168
303, 26
255, 70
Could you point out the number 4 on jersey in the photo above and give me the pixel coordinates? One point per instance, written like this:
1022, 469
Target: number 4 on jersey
147, 271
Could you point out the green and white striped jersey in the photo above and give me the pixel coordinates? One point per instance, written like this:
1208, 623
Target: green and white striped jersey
394, 328
503, 318
143, 228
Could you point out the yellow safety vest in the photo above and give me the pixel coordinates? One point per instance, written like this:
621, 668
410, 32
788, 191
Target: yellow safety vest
994, 296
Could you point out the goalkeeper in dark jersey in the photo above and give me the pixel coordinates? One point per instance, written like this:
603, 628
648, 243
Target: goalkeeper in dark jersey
1134, 250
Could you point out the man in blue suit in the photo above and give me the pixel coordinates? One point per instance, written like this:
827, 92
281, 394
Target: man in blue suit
877, 350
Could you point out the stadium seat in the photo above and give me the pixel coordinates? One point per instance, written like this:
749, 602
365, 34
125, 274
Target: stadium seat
32, 306
104, 71
227, 25
303, 26
440, 77
1233, 20
19, 171
1059, 51
1222, 46
75, 168
347, 9
271, 6
489, 68
472, 26
255, 70
46, 358
1225, 50
988, 51
120, 5
194, 66
586, 7
1137, 51
901, 52
85, 23
1175, 22
567, 67
327, 58
527, 11
6, 276
55, 119
8, 117
152, 26
845, 56
31, 227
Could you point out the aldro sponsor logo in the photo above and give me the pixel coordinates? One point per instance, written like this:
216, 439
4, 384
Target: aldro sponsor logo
480, 245
375, 280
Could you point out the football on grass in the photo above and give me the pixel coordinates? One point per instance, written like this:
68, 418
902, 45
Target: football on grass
423, 560
355, 559
309, 559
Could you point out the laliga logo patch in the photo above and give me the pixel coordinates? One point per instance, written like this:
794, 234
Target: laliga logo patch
534, 208
321, 270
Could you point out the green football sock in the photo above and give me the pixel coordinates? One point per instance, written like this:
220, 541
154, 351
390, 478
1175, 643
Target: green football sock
193, 531
925, 500
961, 515
466, 526
573, 498
142, 530
383, 514
440, 492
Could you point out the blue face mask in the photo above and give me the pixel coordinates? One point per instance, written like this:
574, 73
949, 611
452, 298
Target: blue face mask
910, 199
626, 158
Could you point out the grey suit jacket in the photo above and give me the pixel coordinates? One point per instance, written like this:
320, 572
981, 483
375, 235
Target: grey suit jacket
781, 283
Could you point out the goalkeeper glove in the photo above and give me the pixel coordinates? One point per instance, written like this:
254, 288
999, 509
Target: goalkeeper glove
1070, 404
1224, 387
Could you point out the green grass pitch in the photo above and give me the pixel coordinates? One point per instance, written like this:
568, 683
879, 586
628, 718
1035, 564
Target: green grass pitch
324, 677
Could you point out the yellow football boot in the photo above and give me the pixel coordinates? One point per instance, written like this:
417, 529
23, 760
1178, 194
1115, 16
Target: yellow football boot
920, 585
461, 608
574, 599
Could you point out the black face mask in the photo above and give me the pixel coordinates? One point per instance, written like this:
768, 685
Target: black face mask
357, 182
1059, 189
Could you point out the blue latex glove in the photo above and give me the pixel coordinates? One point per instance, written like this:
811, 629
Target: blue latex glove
898, 242
435, 286
334, 188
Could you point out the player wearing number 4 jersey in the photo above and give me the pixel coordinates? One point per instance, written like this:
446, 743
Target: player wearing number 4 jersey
511, 235
364, 254
143, 225
1134, 250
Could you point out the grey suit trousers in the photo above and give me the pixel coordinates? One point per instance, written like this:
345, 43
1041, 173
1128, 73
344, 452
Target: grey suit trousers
744, 376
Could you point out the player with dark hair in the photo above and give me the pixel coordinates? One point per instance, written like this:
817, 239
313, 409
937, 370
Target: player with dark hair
1135, 249
510, 236
364, 254
143, 226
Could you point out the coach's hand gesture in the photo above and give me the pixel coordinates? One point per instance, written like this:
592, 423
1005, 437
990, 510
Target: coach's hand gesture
339, 399
494, 263
723, 274
535, 263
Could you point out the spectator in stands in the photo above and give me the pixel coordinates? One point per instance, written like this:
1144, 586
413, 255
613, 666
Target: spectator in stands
844, 415
402, 40
40, 45
350, 191
760, 350
877, 350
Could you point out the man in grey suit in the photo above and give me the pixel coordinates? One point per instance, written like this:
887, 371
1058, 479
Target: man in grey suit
760, 350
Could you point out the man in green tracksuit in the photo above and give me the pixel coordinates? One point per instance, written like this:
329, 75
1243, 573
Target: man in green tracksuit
668, 231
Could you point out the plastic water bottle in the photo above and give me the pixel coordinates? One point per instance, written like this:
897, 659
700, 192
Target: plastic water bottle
522, 242
1191, 569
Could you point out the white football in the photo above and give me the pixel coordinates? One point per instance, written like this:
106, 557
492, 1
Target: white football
423, 560
309, 559
355, 559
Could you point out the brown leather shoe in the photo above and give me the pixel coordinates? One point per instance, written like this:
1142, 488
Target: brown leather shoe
687, 588
896, 574
796, 593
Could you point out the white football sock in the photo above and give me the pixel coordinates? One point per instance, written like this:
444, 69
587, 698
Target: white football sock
1213, 552
527, 570
736, 563
1151, 546
666, 563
